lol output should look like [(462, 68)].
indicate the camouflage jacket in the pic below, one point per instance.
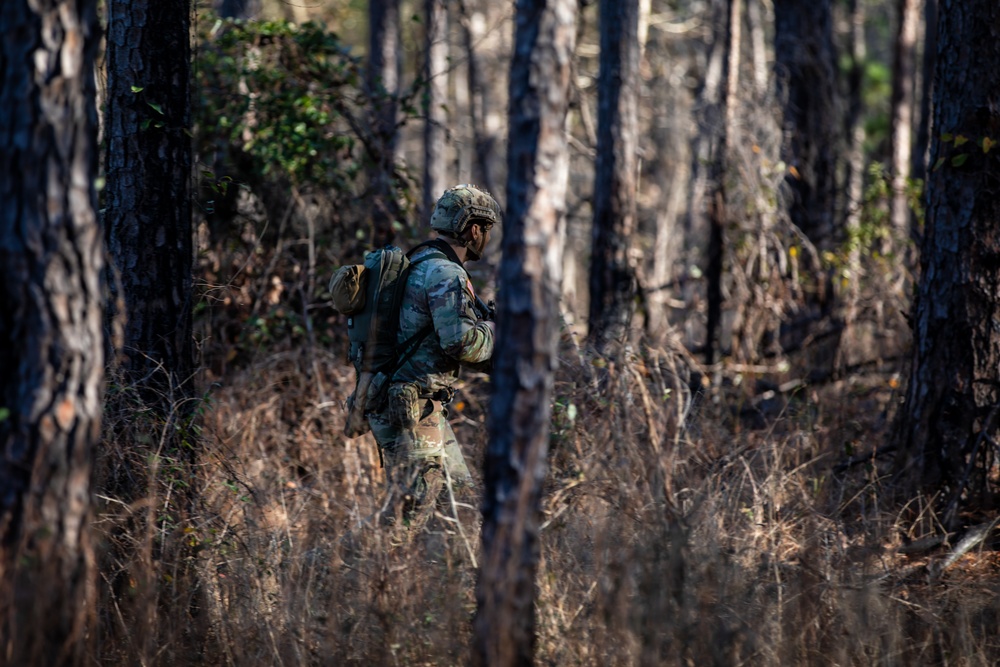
[(439, 291)]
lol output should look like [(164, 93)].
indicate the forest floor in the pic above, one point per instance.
[(735, 522)]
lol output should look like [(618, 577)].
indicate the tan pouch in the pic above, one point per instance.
[(347, 288), (404, 405)]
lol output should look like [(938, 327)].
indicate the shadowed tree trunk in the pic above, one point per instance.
[(435, 98), (526, 354), (148, 194), (51, 329), (612, 276), (384, 53), (948, 419), (806, 79)]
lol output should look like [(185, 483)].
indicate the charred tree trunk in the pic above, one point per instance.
[(51, 329), (612, 276), (148, 194), (384, 55), (806, 78), (954, 385), (435, 98), (526, 355)]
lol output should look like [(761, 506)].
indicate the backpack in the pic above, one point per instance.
[(371, 295)]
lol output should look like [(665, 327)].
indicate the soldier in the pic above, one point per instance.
[(418, 445)]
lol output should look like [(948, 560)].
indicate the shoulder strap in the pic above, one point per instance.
[(442, 250), (442, 247)]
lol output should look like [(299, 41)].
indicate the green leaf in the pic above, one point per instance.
[(937, 165), (988, 144), (959, 160), (960, 139), (155, 107), (137, 89), (4, 414), (946, 137)]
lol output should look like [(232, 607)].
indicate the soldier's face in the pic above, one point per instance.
[(483, 237)]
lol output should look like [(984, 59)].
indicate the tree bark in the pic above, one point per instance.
[(954, 379), (148, 193), (384, 53), (51, 330), (526, 355), (435, 98), (806, 80), (612, 276)]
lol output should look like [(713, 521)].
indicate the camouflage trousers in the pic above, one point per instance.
[(419, 461)]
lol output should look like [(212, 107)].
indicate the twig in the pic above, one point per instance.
[(972, 539)]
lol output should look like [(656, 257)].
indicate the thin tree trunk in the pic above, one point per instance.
[(51, 328), (435, 96), (758, 46), (384, 65), (612, 276), (482, 40), (526, 355), (708, 112), (922, 139), (717, 207), (855, 131), (901, 111)]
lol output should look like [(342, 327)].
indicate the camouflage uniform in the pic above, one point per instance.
[(418, 445), (419, 457)]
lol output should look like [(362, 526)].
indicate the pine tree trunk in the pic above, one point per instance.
[(51, 328), (148, 193), (526, 356), (954, 385), (612, 276)]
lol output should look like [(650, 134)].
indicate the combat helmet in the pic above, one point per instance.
[(462, 204)]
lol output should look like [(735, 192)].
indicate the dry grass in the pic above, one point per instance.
[(680, 529)]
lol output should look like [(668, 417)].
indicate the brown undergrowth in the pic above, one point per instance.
[(690, 518)]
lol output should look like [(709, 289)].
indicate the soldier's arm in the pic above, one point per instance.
[(451, 301)]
